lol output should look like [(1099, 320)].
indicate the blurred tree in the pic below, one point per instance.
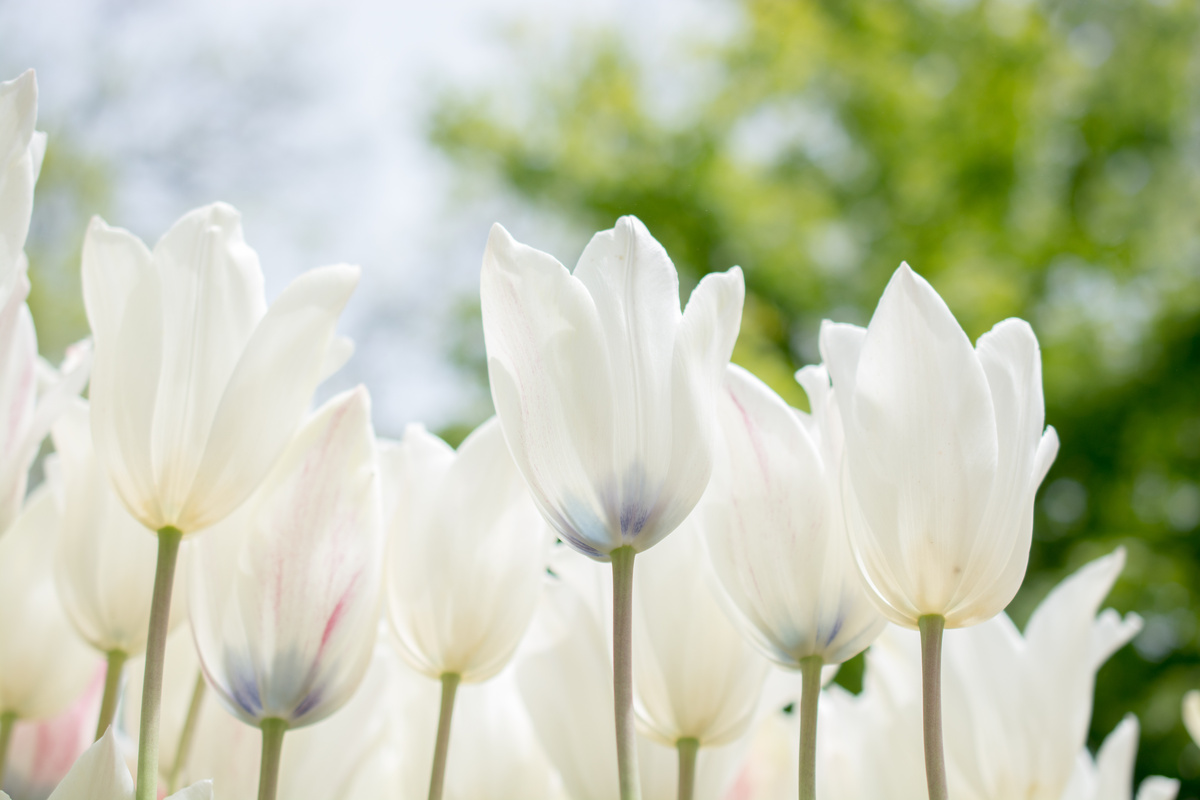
[(1038, 158)]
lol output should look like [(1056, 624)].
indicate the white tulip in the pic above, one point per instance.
[(695, 676), (944, 450), (44, 665), (101, 774), (1017, 706), (605, 391), (467, 552), (775, 528), (21, 151), (198, 386), (285, 595), (105, 561), (563, 674)]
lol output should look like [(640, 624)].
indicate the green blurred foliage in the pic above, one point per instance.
[(71, 187), (1029, 157)]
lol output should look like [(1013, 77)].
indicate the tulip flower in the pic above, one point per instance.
[(697, 680), (944, 451), (562, 674), (777, 534), (100, 774), (198, 386), (44, 665), (1018, 705), (105, 561), (285, 598), (21, 151), (606, 393), (467, 556)]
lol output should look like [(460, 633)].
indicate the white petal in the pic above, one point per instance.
[(212, 297), (703, 346), (694, 674), (20, 161), (551, 384), (99, 774), (123, 298), (18, 393), (1114, 761), (268, 393), (44, 665), (341, 348), (921, 449), (1157, 787), (293, 634), (467, 554), (197, 791), (776, 534)]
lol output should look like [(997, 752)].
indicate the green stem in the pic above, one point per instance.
[(273, 730), (931, 627), (8, 720), (184, 748), (437, 779), (688, 748), (627, 766), (810, 698), (156, 645), (112, 690)]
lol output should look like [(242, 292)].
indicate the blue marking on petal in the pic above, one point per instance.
[(307, 704), (244, 688)]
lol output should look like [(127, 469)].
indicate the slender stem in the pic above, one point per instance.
[(688, 748), (184, 748), (7, 721), (627, 766), (273, 730), (112, 690), (810, 698), (156, 645), (437, 779), (931, 626)]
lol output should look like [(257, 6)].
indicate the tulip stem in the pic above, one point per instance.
[(627, 766), (931, 626), (7, 721), (156, 645), (112, 689), (273, 730), (688, 748), (184, 747), (810, 698), (437, 780)]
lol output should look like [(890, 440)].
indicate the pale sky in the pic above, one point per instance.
[(309, 117)]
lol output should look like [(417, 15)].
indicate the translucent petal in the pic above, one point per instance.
[(99, 774)]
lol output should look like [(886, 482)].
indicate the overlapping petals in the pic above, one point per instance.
[(944, 451), (467, 553), (605, 390), (286, 594), (198, 385)]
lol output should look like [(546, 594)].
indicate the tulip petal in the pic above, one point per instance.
[(18, 393), (269, 391), (212, 297), (99, 774), (1191, 714), (20, 160), (197, 791), (286, 628), (122, 295), (703, 345), (551, 384)]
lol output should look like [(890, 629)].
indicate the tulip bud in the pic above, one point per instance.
[(604, 389), (285, 594), (944, 452), (198, 386)]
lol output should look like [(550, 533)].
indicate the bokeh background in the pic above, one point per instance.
[(1036, 158)]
